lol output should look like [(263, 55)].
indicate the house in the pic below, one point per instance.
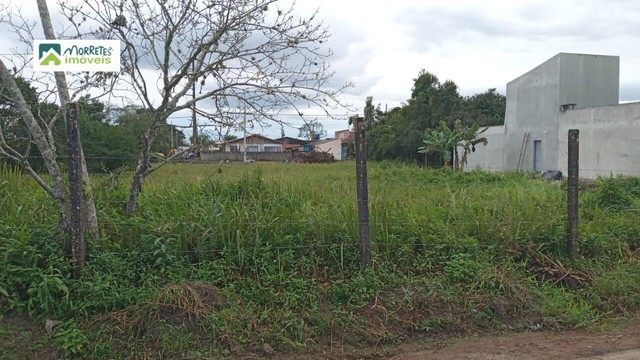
[(568, 91), (348, 138), (287, 140), (331, 146), (345, 135), (254, 143), (257, 147), (292, 144)]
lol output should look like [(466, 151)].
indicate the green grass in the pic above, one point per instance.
[(219, 258)]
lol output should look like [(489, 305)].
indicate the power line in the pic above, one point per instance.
[(343, 117)]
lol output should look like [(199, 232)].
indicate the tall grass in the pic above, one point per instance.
[(280, 241), (205, 210)]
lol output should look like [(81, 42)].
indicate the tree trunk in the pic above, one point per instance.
[(141, 170), (456, 159), (136, 184), (40, 140), (89, 208)]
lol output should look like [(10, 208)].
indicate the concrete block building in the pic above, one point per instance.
[(568, 91)]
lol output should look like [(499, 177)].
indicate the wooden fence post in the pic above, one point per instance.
[(78, 250), (362, 193), (572, 192)]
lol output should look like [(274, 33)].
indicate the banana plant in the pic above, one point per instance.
[(446, 141)]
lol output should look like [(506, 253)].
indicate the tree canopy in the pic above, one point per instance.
[(109, 136), (398, 133), (311, 130)]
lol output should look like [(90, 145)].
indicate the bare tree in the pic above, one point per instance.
[(41, 138), (311, 130), (241, 54), (41, 130)]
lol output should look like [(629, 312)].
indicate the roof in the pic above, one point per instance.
[(326, 141), (240, 140), (291, 146), (292, 140)]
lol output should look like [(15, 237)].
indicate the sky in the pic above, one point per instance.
[(381, 46)]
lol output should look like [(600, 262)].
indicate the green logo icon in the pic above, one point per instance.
[(49, 54)]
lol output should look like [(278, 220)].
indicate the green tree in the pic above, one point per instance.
[(487, 108), (15, 137), (135, 120), (14, 133), (382, 136), (106, 145), (399, 133)]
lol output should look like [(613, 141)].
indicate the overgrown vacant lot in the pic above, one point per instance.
[(230, 260)]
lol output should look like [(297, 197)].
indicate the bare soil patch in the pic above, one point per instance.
[(612, 344), (578, 344)]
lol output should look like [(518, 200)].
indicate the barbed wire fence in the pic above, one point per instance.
[(202, 224)]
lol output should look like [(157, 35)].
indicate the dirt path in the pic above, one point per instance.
[(618, 344)]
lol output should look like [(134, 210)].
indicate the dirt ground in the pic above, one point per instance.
[(620, 343), (617, 344)]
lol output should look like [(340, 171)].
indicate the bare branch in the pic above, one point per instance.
[(166, 161), (242, 54), (39, 137)]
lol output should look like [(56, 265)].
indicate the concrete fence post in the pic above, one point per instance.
[(362, 193), (572, 192), (78, 250)]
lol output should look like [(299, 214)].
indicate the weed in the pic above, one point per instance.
[(69, 339)]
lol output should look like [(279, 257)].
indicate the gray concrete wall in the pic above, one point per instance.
[(534, 99), (490, 156), (218, 156), (609, 138), (532, 104), (609, 132), (589, 80)]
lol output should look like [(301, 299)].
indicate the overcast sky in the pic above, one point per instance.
[(381, 46)]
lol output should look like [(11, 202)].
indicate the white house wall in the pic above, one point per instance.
[(333, 147), (256, 147), (609, 138)]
